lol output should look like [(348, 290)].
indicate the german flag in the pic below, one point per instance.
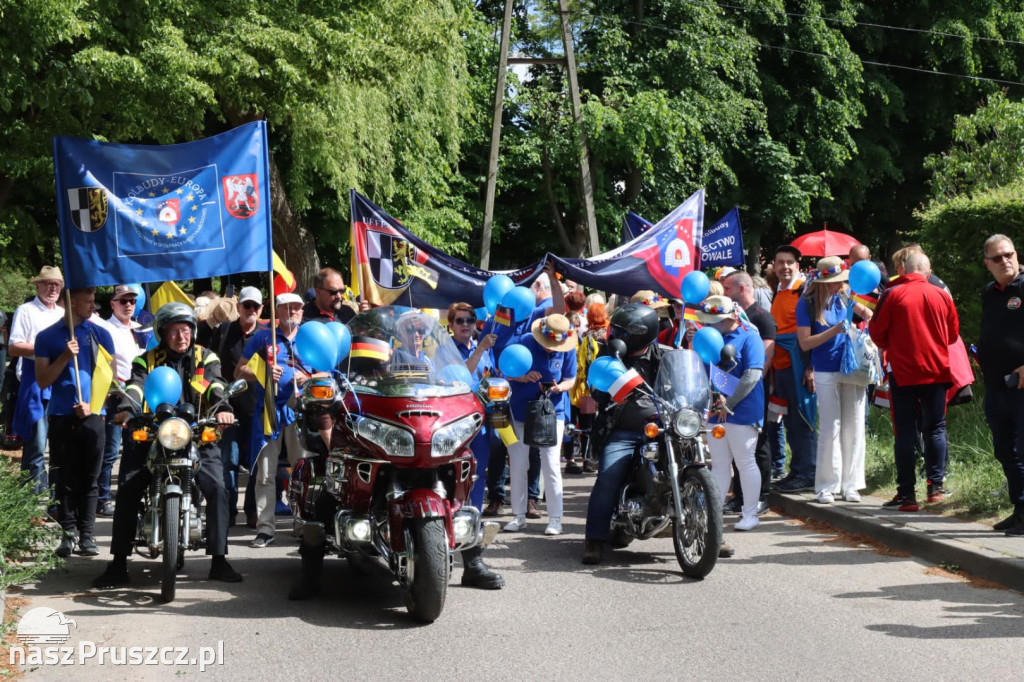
[(368, 347), (690, 313), (199, 382), (869, 301), (503, 316)]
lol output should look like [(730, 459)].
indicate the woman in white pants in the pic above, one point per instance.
[(821, 320), (741, 411)]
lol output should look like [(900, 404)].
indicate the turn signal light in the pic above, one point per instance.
[(140, 435), (322, 392), (718, 431), (499, 392), (651, 430), (208, 435)]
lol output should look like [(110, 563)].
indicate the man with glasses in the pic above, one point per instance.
[(121, 328), (329, 304), (30, 413), (1001, 355)]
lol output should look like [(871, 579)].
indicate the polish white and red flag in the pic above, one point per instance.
[(624, 385)]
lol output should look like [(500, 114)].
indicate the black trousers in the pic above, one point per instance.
[(135, 478), (76, 454)]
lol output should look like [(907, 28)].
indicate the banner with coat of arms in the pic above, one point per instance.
[(147, 213)]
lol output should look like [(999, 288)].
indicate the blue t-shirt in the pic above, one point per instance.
[(485, 366), (553, 367), (286, 358), (828, 356), (749, 355), (53, 341)]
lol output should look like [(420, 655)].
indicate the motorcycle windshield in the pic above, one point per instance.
[(683, 381), (401, 352)]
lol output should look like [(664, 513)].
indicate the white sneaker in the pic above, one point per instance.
[(825, 497), (554, 527), (748, 523), (515, 525), (851, 496)]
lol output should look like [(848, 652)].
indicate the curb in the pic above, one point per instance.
[(929, 545)]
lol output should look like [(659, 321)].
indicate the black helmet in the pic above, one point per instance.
[(378, 323), (171, 313), (635, 324)]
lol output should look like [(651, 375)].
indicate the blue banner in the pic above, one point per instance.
[(633, 226), (146, 213), (723, 242)]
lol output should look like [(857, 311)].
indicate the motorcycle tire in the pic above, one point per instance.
[(170, 522), (425, 593), (619, 539), (698, 536)]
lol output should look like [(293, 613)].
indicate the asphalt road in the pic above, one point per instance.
[(794, 603)]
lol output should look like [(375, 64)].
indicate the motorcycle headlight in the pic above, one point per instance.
[(397, 442), (686, 423), (174, 434), (450, 438)]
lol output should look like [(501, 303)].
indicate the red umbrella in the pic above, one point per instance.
[(824, 243)]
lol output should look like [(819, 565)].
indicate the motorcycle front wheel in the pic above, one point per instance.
[(425, 593), (171, 518), (698, 535)]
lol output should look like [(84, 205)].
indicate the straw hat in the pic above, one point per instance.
[(715, 309), (49, 273), (554, 333), (650, 299), (831, 269)]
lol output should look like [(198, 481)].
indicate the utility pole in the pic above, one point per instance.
[(577, 111)]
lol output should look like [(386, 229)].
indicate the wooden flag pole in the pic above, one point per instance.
[(269, 396), (70, 322)]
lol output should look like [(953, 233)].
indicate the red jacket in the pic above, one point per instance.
[(915, 323)]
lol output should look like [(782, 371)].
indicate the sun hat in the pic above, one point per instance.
[(554, 332), (715, 309), (48, 273), (830, 269), (649, 298)]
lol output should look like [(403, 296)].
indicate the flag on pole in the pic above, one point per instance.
[(102, 378), (149, 213), (169, 292), (624, 385), (722, 243), (258, 366)]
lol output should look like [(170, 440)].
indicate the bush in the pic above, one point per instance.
[(26, 544)]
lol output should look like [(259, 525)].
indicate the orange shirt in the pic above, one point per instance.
[(784, 312)]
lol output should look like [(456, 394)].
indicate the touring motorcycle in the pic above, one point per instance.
[(392, 487), (669, 480)]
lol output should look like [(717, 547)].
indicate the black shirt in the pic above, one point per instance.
[(1001, 340), (763, 320), (638, 408), (311, 311), (228, 340)]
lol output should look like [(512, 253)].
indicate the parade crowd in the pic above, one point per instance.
[(789, 330)]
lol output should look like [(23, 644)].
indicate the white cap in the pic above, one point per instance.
[(284, 299), (250, 294)]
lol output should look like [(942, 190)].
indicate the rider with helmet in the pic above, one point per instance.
[(618, 428), (174, 328)]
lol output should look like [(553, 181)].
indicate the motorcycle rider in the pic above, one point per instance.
[(174, 328), (374, 325), (618, 428)]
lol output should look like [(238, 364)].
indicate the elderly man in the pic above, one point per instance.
[(915, 323), (30, 414), (329, 304), (1001, 355)]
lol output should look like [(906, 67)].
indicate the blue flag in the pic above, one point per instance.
[(146, 213), (633, 226), (724, 382), (723, 242)]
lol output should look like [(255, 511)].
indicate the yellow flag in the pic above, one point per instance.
[(167, 293), (258, 366), (102, 377), (508, 435)]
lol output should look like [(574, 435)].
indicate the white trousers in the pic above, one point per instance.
[(551, 470), (840, 462), (266, 473), (738, 446)]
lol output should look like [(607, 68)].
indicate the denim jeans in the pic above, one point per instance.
[(230, 446), (32, 456), (926, 402), (481, 446), (613, 470), (110, 452), (1004, 412), (776, 437), (497, 471), (803, 439)]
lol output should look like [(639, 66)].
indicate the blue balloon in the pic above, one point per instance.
[(604, 375), (695, 287), (482, 313), (343, 338), (708, 343), (515, 361), (152, 343), (864, 277), (598, 365), (521, 300), (315, 344), (140, 295), (495, 290), (456, 373), (163, 385)]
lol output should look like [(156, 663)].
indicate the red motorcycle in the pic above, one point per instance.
[(392, 485)]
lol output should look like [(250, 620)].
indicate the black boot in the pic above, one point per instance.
[(1010, 521), (475, 572), (308, 584), (115, 575), (221, 570)]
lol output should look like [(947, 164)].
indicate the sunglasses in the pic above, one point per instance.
[(419, 332), (125, 301), (464, 320), (250, 305), (999, 257), (333, 292)]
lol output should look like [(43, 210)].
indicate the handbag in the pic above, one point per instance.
[(860, 360), (540, 428)]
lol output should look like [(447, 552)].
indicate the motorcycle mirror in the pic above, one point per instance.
[(728, 359), (186, 411), (617, 347), (163, 411), (235, 388)]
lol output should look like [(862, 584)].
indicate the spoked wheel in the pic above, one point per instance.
[(172, 506), (698, 535), (426, 590)]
